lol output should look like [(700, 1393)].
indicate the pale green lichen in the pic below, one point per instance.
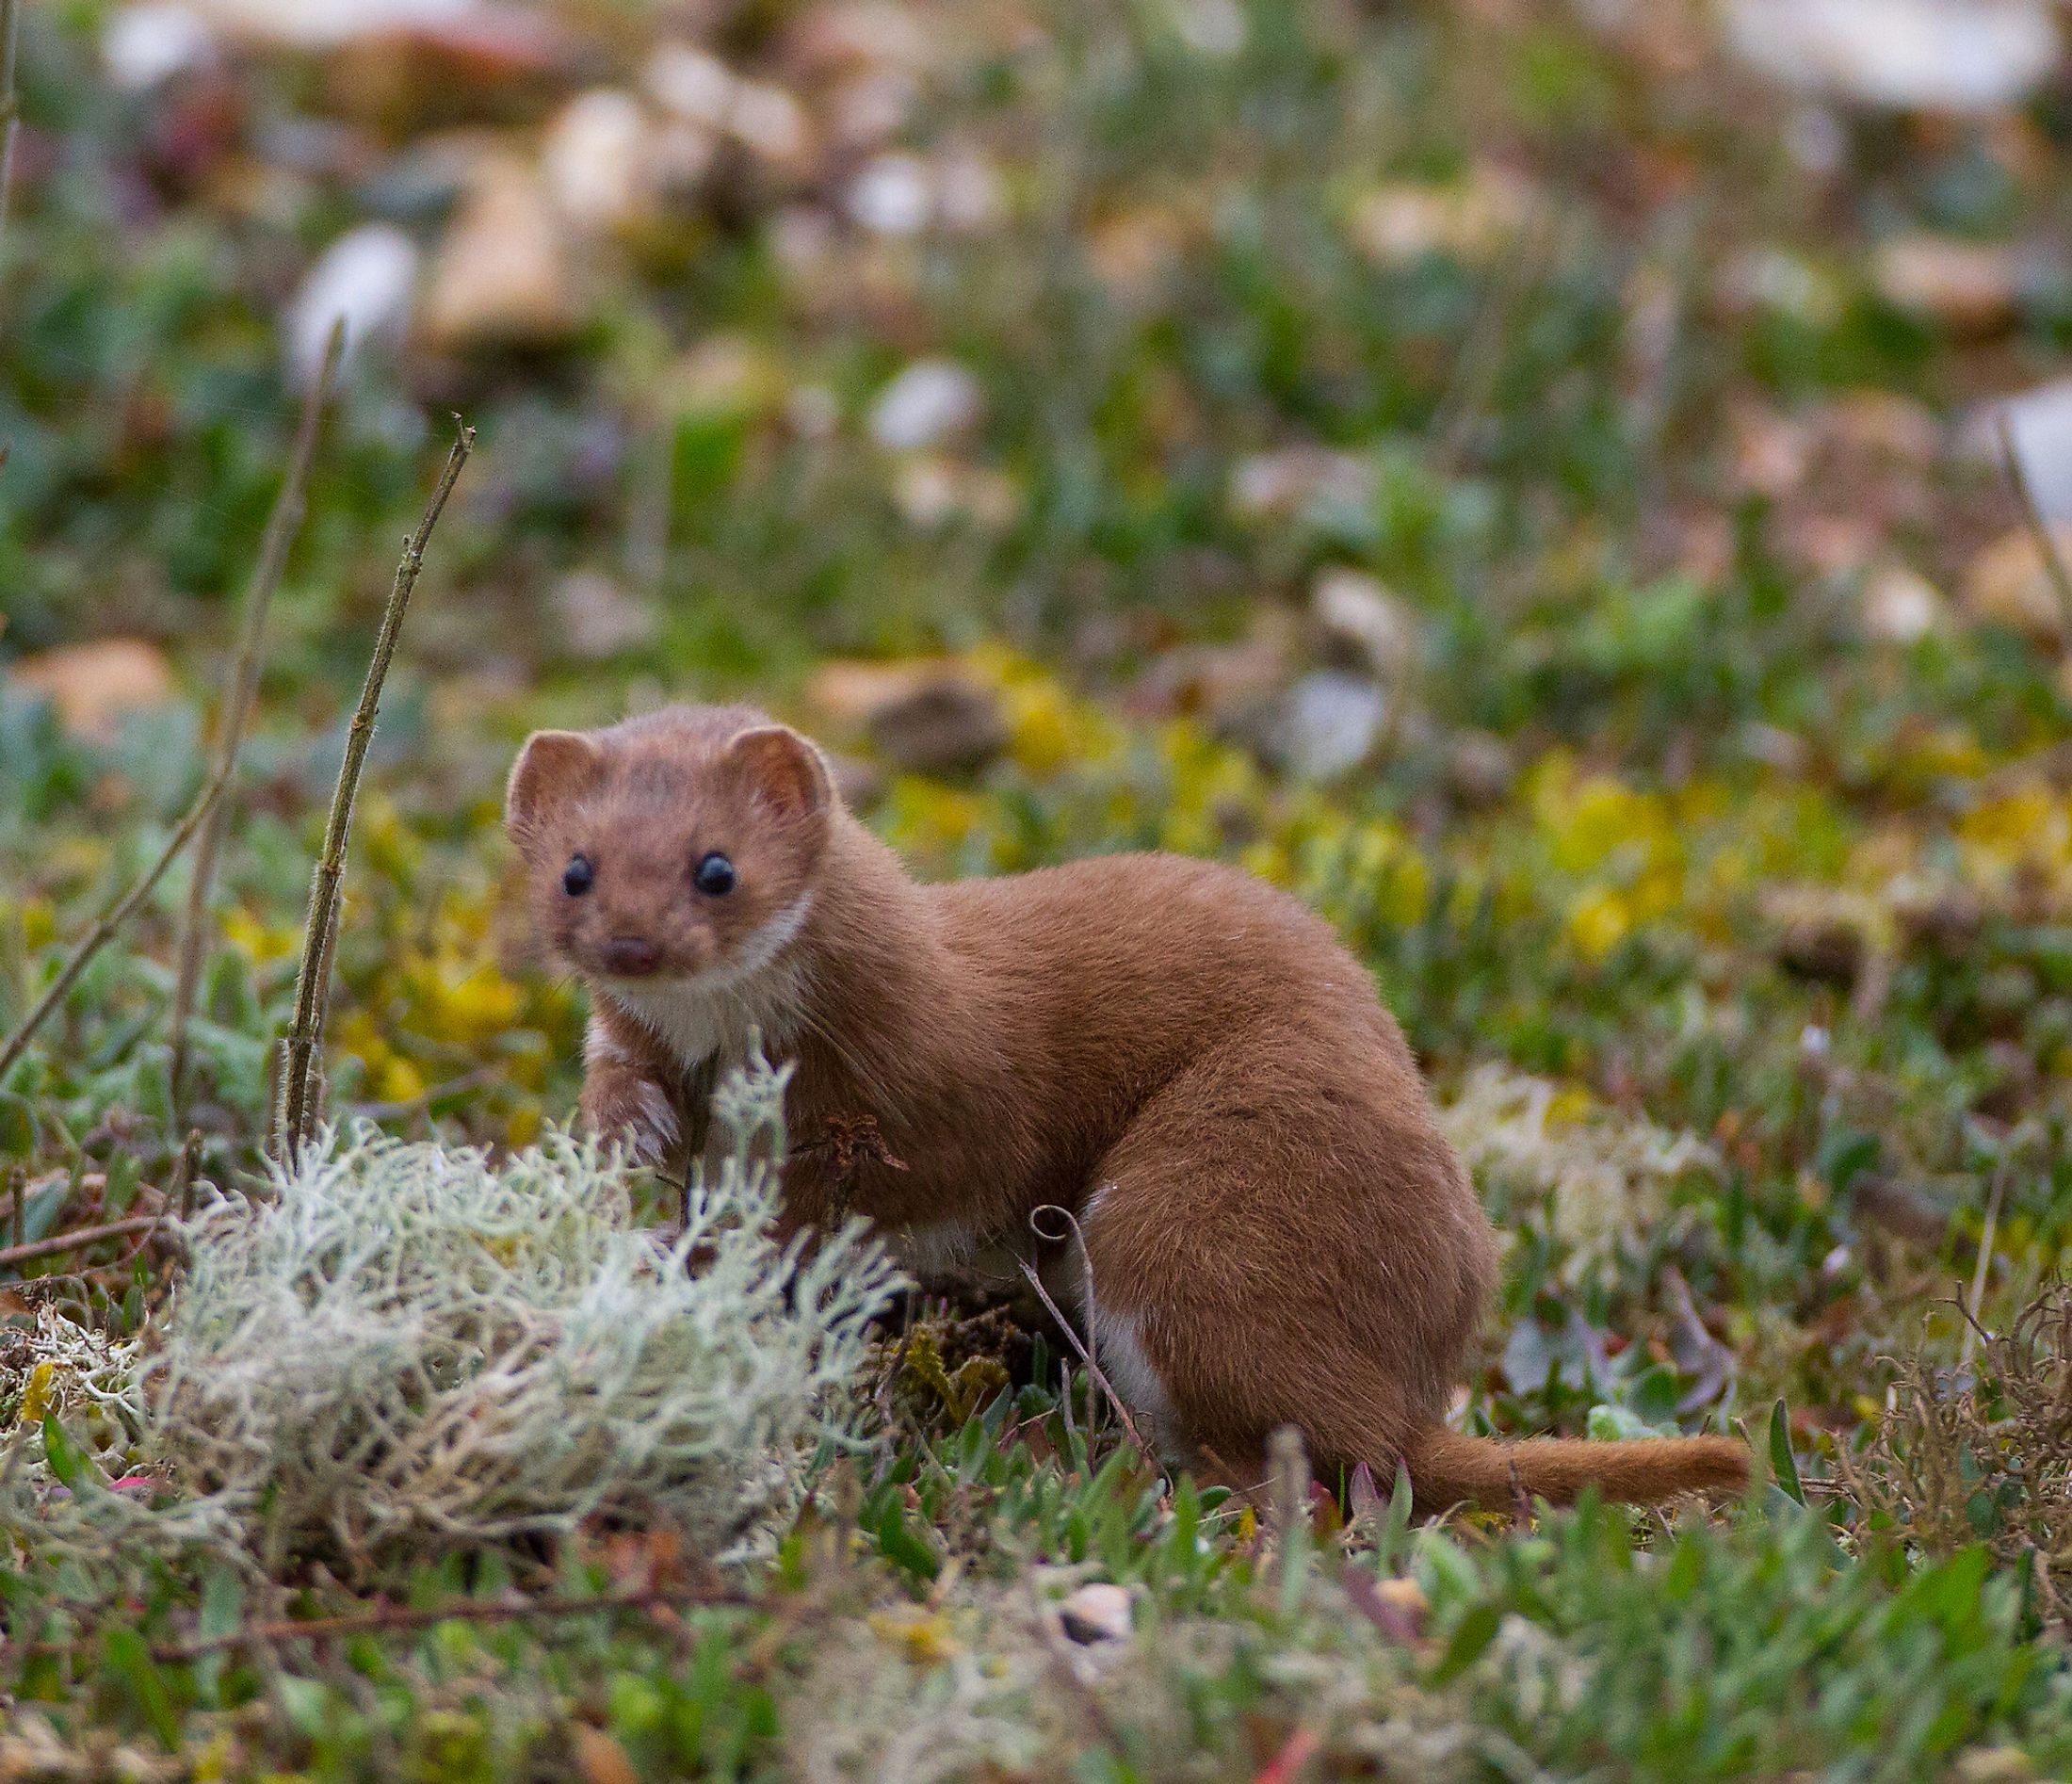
[(400, 1346)]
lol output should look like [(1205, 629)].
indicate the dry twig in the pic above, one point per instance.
[(110, 923), (389, 1619), (282, 524), (300, 1094), (73, 1241), (1085, 1357)]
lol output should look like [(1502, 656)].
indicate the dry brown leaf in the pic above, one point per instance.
[(2010, 583), (502, 276), (92, 685)]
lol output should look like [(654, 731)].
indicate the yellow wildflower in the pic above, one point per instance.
[(1598, 921)]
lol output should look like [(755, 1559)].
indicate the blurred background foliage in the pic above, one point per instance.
[(1526, 476)]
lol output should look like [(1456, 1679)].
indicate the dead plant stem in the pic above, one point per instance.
[(299, 1092), (111, 921), (282, 524)]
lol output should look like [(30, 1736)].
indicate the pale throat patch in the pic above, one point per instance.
[(762, 991)]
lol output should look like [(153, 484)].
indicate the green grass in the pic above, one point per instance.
[(1663, 829)]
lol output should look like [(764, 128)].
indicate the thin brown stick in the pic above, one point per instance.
[(1079, 1350), (110, 923), (2047, 540), (298, 1088), (183, 1177), (283, 526), (388, 1619), (79, 1236), (2010, 1148)]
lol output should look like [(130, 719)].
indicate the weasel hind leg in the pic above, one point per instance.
[(1270, 1246)]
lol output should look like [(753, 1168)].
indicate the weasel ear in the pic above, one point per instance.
[(783, 769), (554, 765)]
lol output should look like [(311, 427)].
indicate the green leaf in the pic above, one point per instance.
[(63, 1456), (903, 1548), (129, 1659), (1782, 1464), (1477, 1630)]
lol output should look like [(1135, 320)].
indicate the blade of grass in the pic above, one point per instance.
[(282, 524), (298, 1088)]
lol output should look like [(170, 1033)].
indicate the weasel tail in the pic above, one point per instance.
[(1446, 1468)]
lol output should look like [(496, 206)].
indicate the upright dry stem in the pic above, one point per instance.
[(298, 1092), (110, 923), (283, 526)]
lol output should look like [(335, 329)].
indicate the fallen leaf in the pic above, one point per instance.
[(928, 717), (600, 1758), (502, 275), (92, 685), (1968, 287), (2011, 584)]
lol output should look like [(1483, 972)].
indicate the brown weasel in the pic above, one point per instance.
[(1276, 1231)]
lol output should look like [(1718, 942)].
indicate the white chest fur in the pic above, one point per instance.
[(719, 1015)]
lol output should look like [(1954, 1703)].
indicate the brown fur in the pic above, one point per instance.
[(1276, 1230)]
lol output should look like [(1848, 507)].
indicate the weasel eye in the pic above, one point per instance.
[(576, 881), (714, 876)]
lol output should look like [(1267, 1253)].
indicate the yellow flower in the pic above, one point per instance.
[(260, 942), (400, 1080), (2028, 827), (925, 1635), (38, 923), (1042, 729), (1598, 921), (36, 1397)]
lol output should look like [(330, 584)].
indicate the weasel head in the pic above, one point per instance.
[(675, 852)]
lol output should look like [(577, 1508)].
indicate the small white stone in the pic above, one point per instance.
[(1958, 55), (769, 123), (697, 88), (894, 195), (1329, 723), (1354, 608), (142, 45), (1210, 27), (928, 403), (1899, 607), (2041, 423), (367, 277), (596, 158), (1097, 1613)]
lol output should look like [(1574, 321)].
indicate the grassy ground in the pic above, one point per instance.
[(1714, 845)]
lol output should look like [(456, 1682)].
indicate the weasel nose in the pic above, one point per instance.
[(631, 957)]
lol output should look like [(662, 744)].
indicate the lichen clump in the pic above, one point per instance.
[(404, 1345)]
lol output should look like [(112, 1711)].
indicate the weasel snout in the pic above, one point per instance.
[(630, 956)]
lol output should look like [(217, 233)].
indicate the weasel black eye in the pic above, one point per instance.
[(714, 876), (576, 881)]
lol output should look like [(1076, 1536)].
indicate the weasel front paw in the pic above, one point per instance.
[(639, 1114)]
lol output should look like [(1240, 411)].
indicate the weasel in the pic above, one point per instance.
[(1275, 1230)]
